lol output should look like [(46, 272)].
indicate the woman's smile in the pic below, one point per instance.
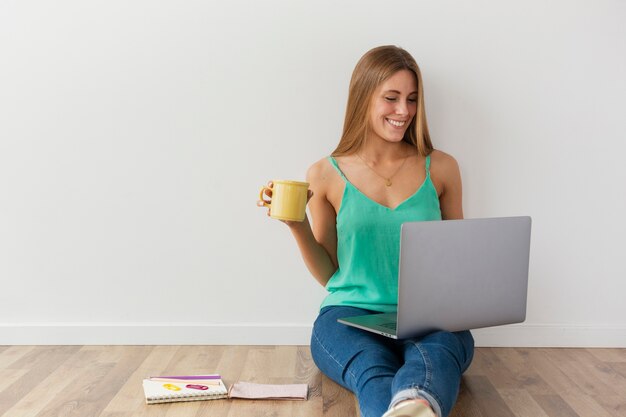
[(396, 123)]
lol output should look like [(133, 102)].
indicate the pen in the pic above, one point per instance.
[(186, 381), (190, 377)]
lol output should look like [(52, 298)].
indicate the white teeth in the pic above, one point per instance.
[(396, 123)]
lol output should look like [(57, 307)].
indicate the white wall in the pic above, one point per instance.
[(134, 137)]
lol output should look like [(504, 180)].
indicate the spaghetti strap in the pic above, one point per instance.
[(428, 165), (333, 162)]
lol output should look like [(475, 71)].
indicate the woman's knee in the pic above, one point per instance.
[(462, 338), (354, 365), (459, 344)]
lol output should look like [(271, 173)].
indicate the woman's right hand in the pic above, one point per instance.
[(267, 192)]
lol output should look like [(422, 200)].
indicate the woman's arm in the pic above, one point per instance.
[(446, 169), (318, 243)]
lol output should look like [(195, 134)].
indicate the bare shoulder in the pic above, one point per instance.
[(319, 169), (319, 174), (443, 164), (445, 161), (444, 171)]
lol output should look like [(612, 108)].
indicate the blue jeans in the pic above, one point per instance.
[(381, 371)]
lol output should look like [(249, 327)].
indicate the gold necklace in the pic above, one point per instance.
[(388, 182)]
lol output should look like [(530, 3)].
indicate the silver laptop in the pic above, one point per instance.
[(457, 275)]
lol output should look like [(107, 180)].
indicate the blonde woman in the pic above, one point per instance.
[(384, 172)]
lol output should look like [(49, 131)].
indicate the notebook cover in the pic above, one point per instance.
[(165, 392)]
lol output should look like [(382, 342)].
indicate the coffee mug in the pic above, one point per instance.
[(288, 200)]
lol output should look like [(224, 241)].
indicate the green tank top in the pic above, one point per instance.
[(368, 245)]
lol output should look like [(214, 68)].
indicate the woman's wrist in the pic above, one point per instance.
[(297, 227)]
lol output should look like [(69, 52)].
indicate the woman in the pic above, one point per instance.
[(383, 173)]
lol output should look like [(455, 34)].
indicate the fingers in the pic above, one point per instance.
[(267, 192), (262, 203)]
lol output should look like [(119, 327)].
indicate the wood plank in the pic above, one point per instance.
[(527, 377), (195, 359), (12, 354), (585, 405), (214, 408), (581, 373), (232, 363), (337, 401), (130, 396), (614, 404), (9, 376), (599, 369), (54, 385), (263, 365), (521, 403), (97, 385), (608, 355), (478, 365), (494, 369), (487, 397), (618, 367), (465, 405), (307, 373), (552, 374), (40, 362), (555, 406), (511, 369)]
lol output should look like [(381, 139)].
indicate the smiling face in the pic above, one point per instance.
[(393, 107)]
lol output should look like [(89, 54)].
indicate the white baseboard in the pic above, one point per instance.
[(520, 335), (154, 334), (550, 335)]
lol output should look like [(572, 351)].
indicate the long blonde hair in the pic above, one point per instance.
[(376, 66)]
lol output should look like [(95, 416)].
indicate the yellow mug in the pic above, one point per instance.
[(288, 200)]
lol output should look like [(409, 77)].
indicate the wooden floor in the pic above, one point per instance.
[(99, 381)]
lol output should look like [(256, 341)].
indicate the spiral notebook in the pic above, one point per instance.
[(167, 389)]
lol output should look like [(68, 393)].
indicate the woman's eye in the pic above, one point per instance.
[(411, 100)]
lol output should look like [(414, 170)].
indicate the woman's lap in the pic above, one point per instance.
[(376, 368)]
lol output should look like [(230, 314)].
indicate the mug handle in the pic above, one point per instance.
[(261, 196)]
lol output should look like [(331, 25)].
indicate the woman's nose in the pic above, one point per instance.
[(402, 108)]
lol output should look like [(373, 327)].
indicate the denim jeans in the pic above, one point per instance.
[(381, 371)]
